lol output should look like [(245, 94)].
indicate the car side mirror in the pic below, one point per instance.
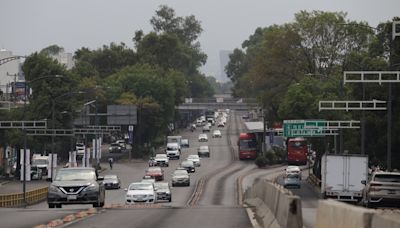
[(100, 178), (364, 182)]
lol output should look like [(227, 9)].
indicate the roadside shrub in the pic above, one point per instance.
[(261, 161), (270, 157)]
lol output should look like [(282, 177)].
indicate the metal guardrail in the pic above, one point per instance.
[(17, 200)]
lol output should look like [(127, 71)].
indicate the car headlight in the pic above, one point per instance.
[(92, 187), (53, 188), (168, 192)]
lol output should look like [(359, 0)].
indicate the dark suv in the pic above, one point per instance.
[(76, 186)]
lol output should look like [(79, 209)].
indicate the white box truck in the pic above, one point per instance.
[(341, 176), (175, 139)]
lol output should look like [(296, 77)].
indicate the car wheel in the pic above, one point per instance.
[(170, 199), (102, 204), (59, 205), (51, 205)]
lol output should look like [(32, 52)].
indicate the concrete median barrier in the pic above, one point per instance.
[(387, 221), (334, 214), (274, 206)]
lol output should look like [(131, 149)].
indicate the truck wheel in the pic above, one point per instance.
[(51, 205), (59, 205)]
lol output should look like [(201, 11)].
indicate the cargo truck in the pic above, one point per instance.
[(341, 176)]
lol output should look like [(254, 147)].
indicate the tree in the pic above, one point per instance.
[(52, 50), (152, 91), (103, 61)]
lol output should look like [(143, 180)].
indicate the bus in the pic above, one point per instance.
[(297, 150), (247, 144)]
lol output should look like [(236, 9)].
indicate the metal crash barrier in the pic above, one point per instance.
[(17, 200)]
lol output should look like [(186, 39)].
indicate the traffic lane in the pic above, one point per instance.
[(309, 200), (21, 218), (215, 216)]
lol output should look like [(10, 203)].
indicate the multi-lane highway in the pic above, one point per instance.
[(213, 200)]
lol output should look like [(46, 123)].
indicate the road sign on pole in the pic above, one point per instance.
[(290, 126)]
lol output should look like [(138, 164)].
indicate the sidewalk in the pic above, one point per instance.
[(15, 186)]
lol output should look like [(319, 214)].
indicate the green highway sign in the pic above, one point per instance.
[(304, 128)]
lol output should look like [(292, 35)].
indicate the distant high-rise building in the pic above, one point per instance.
[(65, 58), (224, 59), (10, 72)]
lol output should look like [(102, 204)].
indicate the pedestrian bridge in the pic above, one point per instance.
[(218, 103)]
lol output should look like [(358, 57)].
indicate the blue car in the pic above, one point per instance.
[(292, 180)]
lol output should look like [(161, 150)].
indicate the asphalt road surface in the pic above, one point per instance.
[(212, 200)]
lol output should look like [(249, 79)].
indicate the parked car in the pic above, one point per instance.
[(180, 177), (292, 180), (76, 186), (382, 189), (203, 151), (163, 191), (140, 192), (203, 138), (155, 172), (112, 181), (115, 148), (195, 159), (188, 165), (185, 143), (217, 134), (161, 160)]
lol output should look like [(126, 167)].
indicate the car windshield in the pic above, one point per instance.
[(75, 174), (172, 147), (141, 186), (110, 177), (161, 185), (153, 170), (40, 162), (193, 157), (292, 176), (297, 144), (180, 172), (247, 144), (161, 155), (187, 163), (114, 144), (387, 178)]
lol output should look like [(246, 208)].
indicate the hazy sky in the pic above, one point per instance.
[(30, 25)]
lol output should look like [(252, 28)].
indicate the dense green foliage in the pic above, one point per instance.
[(156, 74), (290, 68)]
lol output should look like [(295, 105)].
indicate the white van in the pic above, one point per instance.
[(173, 150)]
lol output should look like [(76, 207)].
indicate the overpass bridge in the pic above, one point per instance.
[(218, 103)]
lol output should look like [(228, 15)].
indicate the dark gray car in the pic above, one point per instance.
[(163, 191), (76, 186)]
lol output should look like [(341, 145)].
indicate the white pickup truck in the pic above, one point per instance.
[(161, 160)]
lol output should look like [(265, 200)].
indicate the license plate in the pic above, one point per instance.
[(71, 197)]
